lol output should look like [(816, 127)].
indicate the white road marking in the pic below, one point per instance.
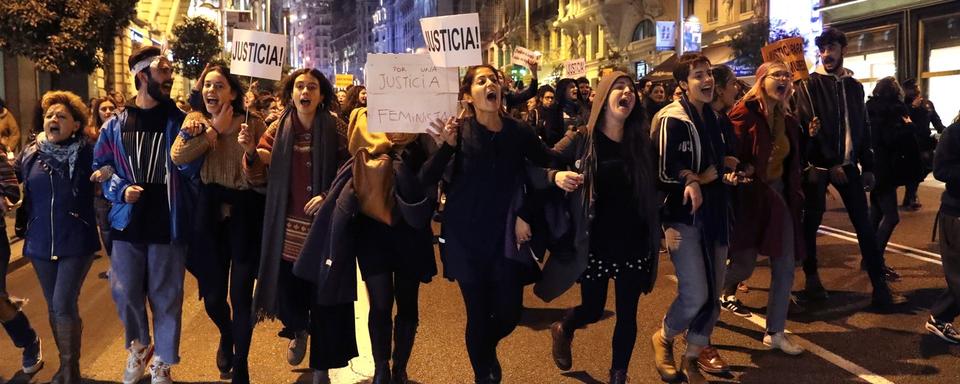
[(889, 244), (909, 254)]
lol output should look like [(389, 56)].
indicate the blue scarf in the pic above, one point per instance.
[(64, 152)]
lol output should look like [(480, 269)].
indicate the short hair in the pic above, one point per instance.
[(582, 79), (139, 55), (722, 74), (829, 36), (71, 101), (326, 89), (686, 63)]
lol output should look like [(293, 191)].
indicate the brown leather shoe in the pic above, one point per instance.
[(663, 357), (691, 371), (562, 356), (711, 362)]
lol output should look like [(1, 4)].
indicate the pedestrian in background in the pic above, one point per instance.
[(101, 110), (568, 100), (356, 98), (655, 100), (946, 168), (61, 239), (230, 214), (615, 222), (9, 130), (583, 96), (923, 114)]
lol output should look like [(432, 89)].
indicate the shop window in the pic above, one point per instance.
[(871, 55), (941, 37), (644, 30)]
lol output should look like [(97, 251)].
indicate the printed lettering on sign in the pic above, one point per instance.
[(344, 80), (257, 54), (522, 56), (453, 41), (406, 92)]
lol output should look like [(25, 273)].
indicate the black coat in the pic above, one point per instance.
[(896, 149)]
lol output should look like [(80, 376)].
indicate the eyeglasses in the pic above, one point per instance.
[(780, 75)]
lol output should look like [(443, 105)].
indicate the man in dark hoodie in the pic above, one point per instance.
[(946, 168), (837, 150)]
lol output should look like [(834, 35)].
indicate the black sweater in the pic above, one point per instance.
[(946, 168)]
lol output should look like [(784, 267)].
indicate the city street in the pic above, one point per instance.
[(845, 341)]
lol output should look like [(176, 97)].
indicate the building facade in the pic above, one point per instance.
[(310, 28)]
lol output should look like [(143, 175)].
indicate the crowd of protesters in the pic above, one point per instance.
[(273, 200)]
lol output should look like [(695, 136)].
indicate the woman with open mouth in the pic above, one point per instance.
[(298, 157), (61, 237), (230, 212), (769, 198), (478, 241), (616, 226)]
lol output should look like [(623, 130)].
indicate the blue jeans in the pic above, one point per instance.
[(141, 272), (61, 281), (699, 277)]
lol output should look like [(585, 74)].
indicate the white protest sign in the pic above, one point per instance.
[(522, 57), (575, 68), (453, 41), (257, 54), (407, 92)]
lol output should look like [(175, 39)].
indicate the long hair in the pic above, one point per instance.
[(759, 93), (232, 81), (94, 122), (352, 102), (560, 96), (467, 82), (329, 103)]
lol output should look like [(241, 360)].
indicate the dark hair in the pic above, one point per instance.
[(887, 88), (3, 104), (95, 121), (722, 74), (468, 77), (686, 63), (235, 86), (326, 89), (582, 79), (909, 87), (642, 83), (543, 91), (829, 36), (352, 102), (136, 57), (560, 96)]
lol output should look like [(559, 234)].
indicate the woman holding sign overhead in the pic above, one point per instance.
[(298, 157), (230, 210), (478, 243)]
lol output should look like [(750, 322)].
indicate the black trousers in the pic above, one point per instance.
[(493, 305), (227, 261), (947, 306), (855, 200), (593, 298), (384, 289)]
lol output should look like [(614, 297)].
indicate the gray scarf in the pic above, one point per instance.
[(64, 153)]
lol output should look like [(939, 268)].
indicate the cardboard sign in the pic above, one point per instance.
[(575, 68), (258, 54), (407, 92), (789, 51), (522, 57), (453, 41), (344, 80), (666, 35)]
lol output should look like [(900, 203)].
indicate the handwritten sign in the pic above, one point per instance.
[(344, 80), (406, 92), (258, 54), (789, 51), (575, 68), (666, 35), (522, 57), (453, 41)]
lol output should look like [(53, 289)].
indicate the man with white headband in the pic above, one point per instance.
[(149, 221)]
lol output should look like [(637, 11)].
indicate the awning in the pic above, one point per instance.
[(664, 70)]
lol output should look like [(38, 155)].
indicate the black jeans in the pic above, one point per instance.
[(228, 261), (855, 200), (383, 289), (102, 208), (884, 214), (947, 306), (493, 310), (593, 298)]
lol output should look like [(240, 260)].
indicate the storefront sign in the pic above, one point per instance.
[(691, 35), (257, 54), (575, 68), (453, 41), (666, 35), (344, 80), (522, 57), (407, 92), (789, 51)]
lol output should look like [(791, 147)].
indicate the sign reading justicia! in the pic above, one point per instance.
[(453, 41), (257, 54)]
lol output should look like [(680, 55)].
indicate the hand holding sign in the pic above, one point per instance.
[(246, 140), (526, 58), (406, 92)]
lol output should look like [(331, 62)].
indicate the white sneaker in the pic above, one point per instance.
[(137, 362), (160, 372), (780, 341)]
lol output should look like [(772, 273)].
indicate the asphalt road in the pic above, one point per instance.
[(846, 342)]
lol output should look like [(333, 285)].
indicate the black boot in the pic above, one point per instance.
[(496, 372), (381, 373), (404, 333), (67, 336), (225, 355), (241, 374), (618, 376)]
